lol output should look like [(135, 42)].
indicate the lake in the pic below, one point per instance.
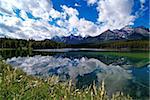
[(121, 71)]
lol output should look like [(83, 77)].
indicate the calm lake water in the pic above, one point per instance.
[(122, 71)]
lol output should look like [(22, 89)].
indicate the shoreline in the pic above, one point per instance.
[(79, 49), (88, 49)]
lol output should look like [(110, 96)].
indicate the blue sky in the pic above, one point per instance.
[(87, 12), (41, 19), (90, 12)]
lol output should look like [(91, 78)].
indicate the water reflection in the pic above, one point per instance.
[(120, 73), (75, 69)]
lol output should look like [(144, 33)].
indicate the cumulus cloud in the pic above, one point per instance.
[(39, 8), (83, 27), (48, 22), (88, 28), (115, 14), (28, 28)]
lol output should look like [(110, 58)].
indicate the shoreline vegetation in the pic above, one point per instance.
[(17, 85)]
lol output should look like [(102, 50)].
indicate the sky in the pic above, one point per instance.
[(45, 19)]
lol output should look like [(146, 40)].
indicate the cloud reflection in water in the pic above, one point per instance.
[(114, 76)]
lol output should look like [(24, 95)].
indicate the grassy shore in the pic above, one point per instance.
[(17, 85)]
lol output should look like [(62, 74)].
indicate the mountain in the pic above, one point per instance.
[(126, 33), (136, 33), (72, 39)]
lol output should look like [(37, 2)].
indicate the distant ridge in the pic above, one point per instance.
[(126, 33)]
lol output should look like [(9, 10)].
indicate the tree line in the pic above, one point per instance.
[(131, 44), (20, 43), (49, 44), (128, 44)]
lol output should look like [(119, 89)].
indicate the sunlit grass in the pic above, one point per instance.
[(17, 85)]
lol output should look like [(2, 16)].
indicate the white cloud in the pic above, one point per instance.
[(77, 5), (39, 8), (40, 29), (23, 14), (112, 14), (115, 14), (9, 21), (70, 11), (91, 2), (30, 28), (87, 28), (55, 14)]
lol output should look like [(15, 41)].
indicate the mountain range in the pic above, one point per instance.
[(126, 33)]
